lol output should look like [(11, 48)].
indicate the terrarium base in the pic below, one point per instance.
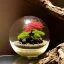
[(30, 46), (29, 52), (54, 56)]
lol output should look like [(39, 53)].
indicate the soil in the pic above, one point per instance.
[(59, 3), (20, 45), (54, 56)]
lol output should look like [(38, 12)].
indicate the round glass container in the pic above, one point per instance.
[(29, 36)]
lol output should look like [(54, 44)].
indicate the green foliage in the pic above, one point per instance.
[(38, 34), (23, 35)]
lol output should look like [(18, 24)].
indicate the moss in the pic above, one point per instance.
[(38, 34), (23, 35)]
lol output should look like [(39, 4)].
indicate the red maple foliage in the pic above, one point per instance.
[(34, 25)]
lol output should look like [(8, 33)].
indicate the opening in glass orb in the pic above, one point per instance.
[(29, 36)]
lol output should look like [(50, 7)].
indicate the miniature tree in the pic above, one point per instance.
[(32, 33)]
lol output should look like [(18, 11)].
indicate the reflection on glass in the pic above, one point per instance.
[(29, 36)]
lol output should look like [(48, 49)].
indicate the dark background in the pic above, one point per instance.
[(11, 10)]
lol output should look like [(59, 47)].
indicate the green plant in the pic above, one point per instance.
[(38, 34), (35, 35), (23, 35)]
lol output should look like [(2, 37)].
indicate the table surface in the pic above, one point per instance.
[(16, 59)]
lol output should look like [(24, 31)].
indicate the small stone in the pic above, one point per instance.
[(40, 41), (32, 41), (23, 40), (28, 40)]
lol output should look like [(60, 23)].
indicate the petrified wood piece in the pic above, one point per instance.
[(54, 56), (54, 7)]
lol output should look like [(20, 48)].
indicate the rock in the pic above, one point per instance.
[(54, 56), (24, 41)]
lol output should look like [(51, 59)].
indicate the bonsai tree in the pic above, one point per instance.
[(32, 33)]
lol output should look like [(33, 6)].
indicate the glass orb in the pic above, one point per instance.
[(29, 36)]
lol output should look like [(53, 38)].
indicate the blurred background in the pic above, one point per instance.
[(11, 10)]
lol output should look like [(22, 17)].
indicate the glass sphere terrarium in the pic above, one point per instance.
[(29, 36)]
